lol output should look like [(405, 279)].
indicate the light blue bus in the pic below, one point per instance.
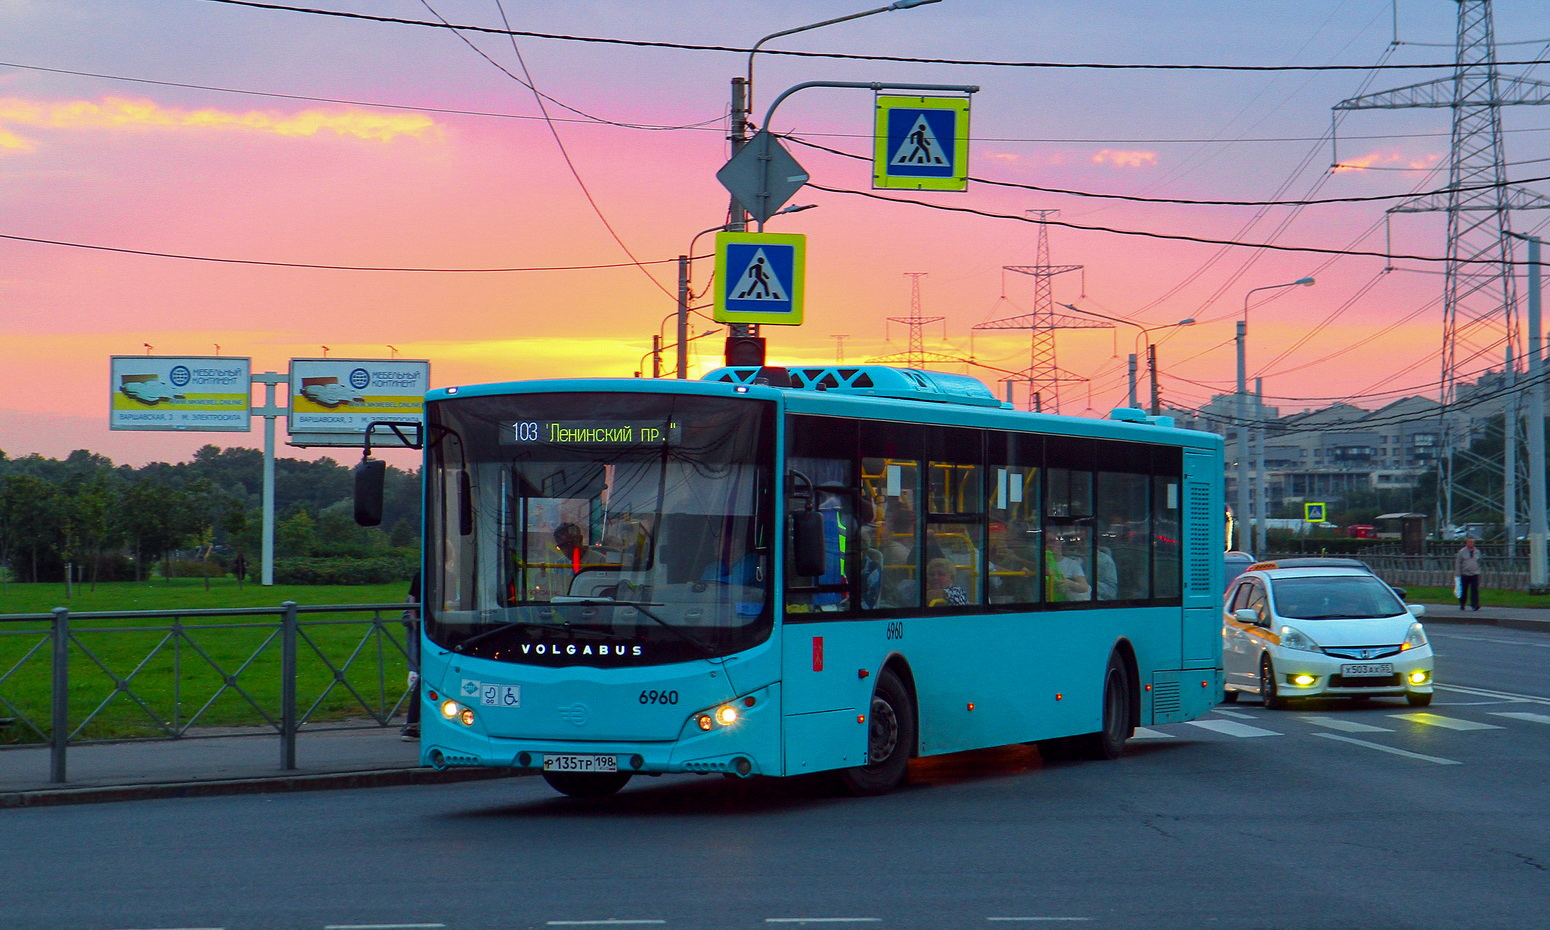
[(775, 572)]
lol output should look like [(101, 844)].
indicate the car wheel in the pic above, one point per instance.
[(1229, 696), (890, 740), (1267, 686), (1109, 742), (1419, 698), (587, 784)]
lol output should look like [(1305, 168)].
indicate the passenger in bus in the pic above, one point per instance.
[(573, 547), (1067, 578), (1013, 569), (942, 586), (1108, 576)]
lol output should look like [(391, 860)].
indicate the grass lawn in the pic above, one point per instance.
[(156, 676), (1492, 598)]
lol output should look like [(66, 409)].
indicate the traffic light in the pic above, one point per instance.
[(745, 352)]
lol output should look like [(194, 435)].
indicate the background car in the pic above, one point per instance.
[(1235, 562), (1334, 631)]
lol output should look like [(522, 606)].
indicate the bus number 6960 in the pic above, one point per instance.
[(659, 697)]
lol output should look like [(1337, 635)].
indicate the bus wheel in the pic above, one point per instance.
[(1109, 742), (890, 740), (587, 784)]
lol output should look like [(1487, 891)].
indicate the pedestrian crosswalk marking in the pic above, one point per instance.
[(1231, 728), (759, 281), (1438, 760), (1349, 726), (1149, 733), (1522, 715), (1450, 723)]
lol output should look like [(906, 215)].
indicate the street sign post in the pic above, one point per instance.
[(921, 143), (760, 277)]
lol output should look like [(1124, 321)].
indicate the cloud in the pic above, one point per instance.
[(1388, 160), (1125, 158), (116, 113)]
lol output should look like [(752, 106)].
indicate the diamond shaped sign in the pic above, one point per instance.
[(762, 176)]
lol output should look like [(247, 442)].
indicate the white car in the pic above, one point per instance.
[(332, 395), (1322, 632), (151, 391)]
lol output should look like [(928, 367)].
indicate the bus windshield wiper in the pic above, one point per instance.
[(685, 635)]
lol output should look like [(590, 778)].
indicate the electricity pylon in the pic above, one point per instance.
[(916, 355), (1043, 375), (1480, 318)]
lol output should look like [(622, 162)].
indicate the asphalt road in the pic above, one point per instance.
[(1332, 816)]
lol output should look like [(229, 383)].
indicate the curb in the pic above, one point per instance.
[(374, 778)]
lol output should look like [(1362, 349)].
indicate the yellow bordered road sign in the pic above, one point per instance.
[(921, 143), (760, 277), (1314, 513)]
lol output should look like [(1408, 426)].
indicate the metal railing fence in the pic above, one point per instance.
[(102, 676)]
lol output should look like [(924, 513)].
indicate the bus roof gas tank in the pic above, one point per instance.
[(873, 380)]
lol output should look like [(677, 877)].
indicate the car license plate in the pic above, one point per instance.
[(1370, 670), (569, 762)]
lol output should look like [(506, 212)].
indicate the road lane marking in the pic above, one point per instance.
[(1501, 695), (1449, 723), (608, 922), (1233, 713), (1531, 718), (1230, 728), (1349, 726), (1038, 918), (1389, 749), (823, 920), (382, 926), (1146, 733)]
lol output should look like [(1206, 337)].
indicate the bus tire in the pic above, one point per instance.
[(587, 784), (1109, 742), (890, 740)]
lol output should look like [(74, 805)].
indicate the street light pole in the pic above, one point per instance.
[(1151, 352), (1241, 516)]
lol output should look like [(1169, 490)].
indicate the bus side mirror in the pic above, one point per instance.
[(465, 504), (807, 543), (370, 480)]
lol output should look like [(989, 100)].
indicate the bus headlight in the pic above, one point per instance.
[(449, 709), (726, 715)]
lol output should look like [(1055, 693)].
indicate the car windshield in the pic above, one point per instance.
[(599, 529), (1334, 597)]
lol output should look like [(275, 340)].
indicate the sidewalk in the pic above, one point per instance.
[(128, 771), (362, 758)]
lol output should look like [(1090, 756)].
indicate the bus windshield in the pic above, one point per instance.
[(599, 529)]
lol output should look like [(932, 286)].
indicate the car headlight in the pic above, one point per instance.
[(1414, 639), (1293, 638)]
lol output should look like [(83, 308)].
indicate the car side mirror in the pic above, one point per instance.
[(1246, 615), (1417, 610)]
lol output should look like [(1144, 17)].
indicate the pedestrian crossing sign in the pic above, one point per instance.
[(760, 277), (1314, 513), (921, 143)]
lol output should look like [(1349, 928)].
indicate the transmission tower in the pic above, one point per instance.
[(1480, 319), (1043, 375), (916, 355)]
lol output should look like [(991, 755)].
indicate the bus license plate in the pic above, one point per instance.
[(1371, 670), (580, 763)]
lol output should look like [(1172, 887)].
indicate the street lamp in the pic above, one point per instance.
[(1151, 353), (742, 87), (1243, 431), (683, 286)]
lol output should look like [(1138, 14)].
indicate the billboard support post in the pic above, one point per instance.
[(269, 412)]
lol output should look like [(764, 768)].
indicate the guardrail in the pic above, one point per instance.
[(179, 674)]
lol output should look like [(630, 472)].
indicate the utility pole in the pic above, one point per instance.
[(916, 355)]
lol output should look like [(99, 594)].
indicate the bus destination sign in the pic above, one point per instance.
[(590, 432)]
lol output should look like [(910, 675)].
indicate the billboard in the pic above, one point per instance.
[(334, 399), (193, 393)]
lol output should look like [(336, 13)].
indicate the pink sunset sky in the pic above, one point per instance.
[(198, 129)]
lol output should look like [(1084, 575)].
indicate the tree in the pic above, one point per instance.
[(32, 524)]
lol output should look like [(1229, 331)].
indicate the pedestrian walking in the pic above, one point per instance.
[(1466, 565)]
